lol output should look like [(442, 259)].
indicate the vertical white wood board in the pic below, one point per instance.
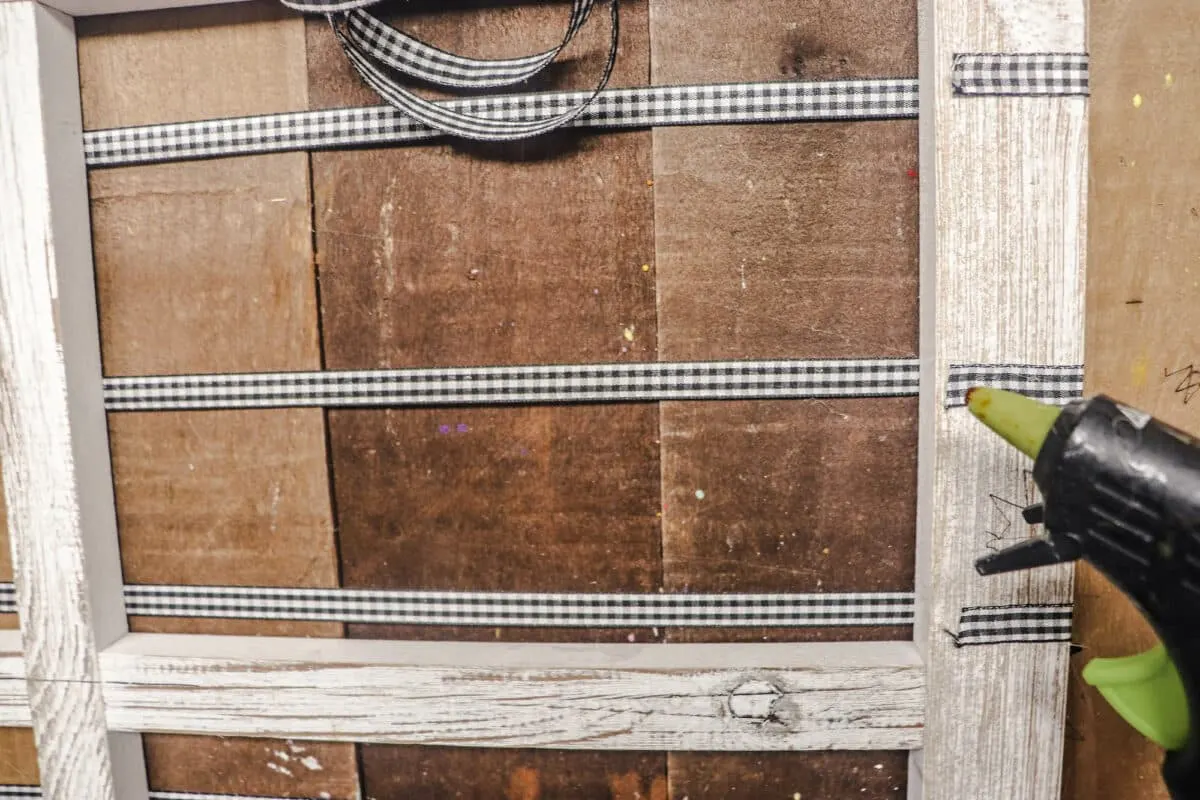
[(1002, 272), (57, 479)]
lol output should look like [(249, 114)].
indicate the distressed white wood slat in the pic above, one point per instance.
[(841, 696), (14, 697), (1002, 273), (87, 8), (54, 448)]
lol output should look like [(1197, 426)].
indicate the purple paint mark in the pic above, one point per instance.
[(462, 427), (443, 429)]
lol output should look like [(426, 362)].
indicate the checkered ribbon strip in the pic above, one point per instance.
[(8, 601), (364, 56), (1028, 74), (380, 52), (1050, 384), (20, 793), (1016, 623), (714, 104), (571, 383), (521, 609), (399, 51), (35, 793)]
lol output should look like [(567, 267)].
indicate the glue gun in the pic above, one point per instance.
[(1121, 490)]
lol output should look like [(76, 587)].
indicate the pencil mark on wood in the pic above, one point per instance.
[(1188, 381)]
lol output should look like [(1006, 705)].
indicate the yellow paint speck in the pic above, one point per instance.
[(1138, 372), (825, 551), (1169, 80), (628, 334), (645, 267), (1137, 101)]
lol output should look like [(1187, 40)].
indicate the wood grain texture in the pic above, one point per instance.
[(843, 696), (208, 267), (14, 691), (1143, 339), (766, 247), (18, 757), (765, 251), (1002, 249), (455, 254), (58, 485)]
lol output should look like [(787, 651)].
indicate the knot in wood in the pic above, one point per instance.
[(755, 701)]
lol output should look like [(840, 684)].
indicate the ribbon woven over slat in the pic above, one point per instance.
[(520, 609), (638, 107), (378, 52), (580, 383)]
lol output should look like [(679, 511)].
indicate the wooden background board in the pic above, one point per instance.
[(207, 266), (1143, 335), (717, 242)]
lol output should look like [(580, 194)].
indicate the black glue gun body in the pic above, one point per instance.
[(1122, 491)]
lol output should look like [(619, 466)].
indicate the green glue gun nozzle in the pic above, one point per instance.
[(1147, 692), (1019, 420)]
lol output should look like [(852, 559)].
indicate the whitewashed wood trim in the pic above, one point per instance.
[(54, 449), (839, 696), (1002, 273), (87, 8), (14, 697)]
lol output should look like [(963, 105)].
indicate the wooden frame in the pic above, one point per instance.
[(1002, 232)]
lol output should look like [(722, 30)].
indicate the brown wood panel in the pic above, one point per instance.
[(787, 241), (1143, 334), (18, 757), (817, 776), (770, 245), (207, 266), (458, 254)]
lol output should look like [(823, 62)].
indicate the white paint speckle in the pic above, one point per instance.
[(295, 748), (271, 765), (325, 795), (282, 756), (311, 764), (879, 766), (699, 494)]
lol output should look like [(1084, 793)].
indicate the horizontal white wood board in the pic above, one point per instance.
[(844, 696)]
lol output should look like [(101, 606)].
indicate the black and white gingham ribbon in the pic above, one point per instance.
[(1015, 623), (642, 107), (399, 51), (449, 120), (582, 383), (521, 608), (524, 609), (1027, 74), (567, 383), (378, 52), (8, 598), (1050, 384)]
